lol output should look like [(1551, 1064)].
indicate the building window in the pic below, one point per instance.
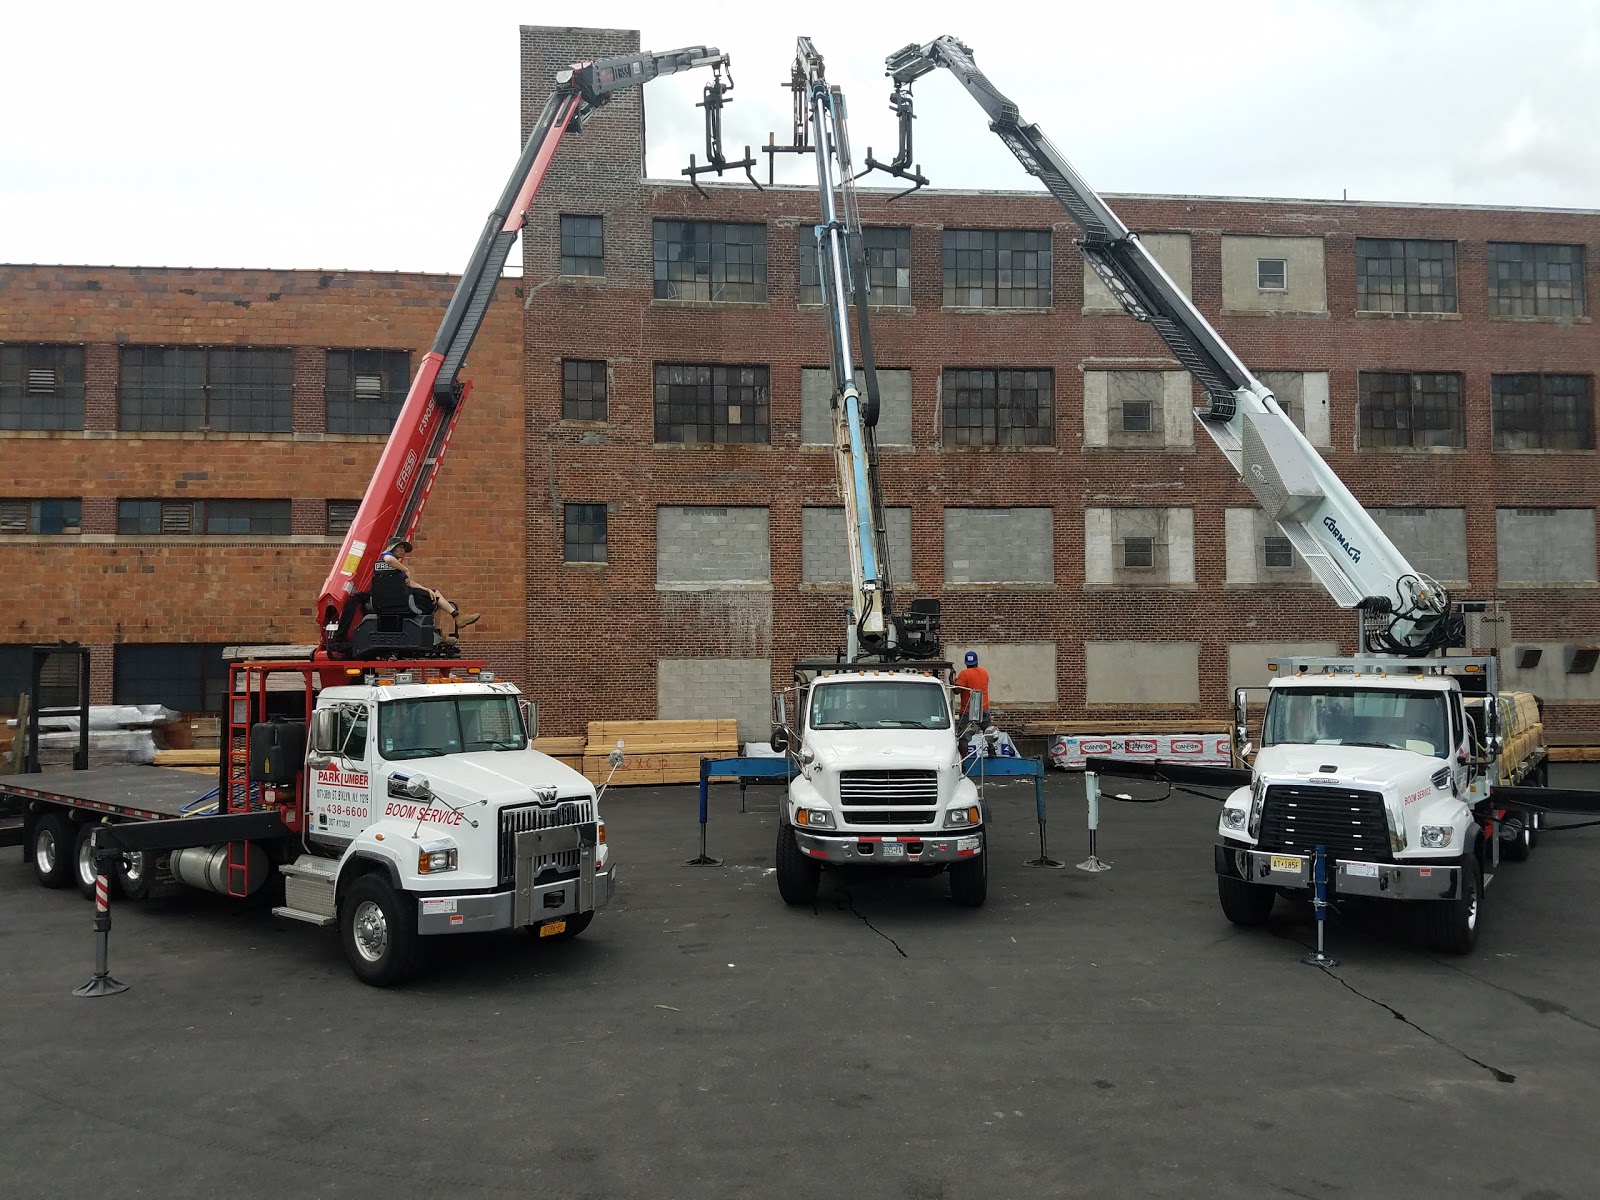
[(704, 260), (340, 515), (1542, 412), (1136, 416), (1272, 274), (705, 404), (1277, 553), (585, 537), (1531, 280), (583, 389), (58, 679), (46, 517), (191, 388), (366, 389), (888, 254), (583, 246), (189, 518), (1411, 410), (1139, 553), (41, 387), (996, 268), (184, 677), (999, 408), (1405, 276)]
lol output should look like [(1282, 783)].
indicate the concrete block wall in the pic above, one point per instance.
[(894, 407), (703, 544), (717, 689), (825, 557), (998, 545), (1434, 540)]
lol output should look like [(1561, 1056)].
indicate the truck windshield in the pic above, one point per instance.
[(1391, 717), (433, 725), (864, 704)]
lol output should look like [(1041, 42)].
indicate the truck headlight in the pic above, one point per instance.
[(1435, 837), (814, 818), (961, 817), (435, 857), (1235, 818)]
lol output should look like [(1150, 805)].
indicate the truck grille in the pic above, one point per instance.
[(579, 811), (891, 816), (1351, 824), (880, 788)]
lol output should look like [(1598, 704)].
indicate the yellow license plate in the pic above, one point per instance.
[(1286, 862), (552, 928)]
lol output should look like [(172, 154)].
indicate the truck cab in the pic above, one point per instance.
[(878, 753), (1375, 763), (427, 811)]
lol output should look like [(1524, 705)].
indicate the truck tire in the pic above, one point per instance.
[(378, 927), (1245, 903), (798, 876), (55, 845), (575, 926), (83, 864), (135, 874), (1518, 849), (969, 880), (1452, 925)]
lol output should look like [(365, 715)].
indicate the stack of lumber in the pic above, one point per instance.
[(655, 752), (188, 758), (568, 750)]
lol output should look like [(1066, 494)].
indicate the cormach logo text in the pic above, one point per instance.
[(1332, 527)]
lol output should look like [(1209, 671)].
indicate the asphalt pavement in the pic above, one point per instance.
[(1106, 1035)]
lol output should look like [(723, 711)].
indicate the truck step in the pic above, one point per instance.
[(310, 918), (308, 885)]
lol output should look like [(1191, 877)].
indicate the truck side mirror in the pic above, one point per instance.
[(530, 717), (780, 738), (325, 731)]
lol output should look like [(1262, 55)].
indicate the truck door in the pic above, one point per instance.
[(341, 789), (1461, 739)]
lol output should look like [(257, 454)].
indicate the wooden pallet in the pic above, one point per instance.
[(656, 752)]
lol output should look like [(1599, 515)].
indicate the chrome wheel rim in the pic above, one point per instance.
[(133, 867), (44, 850), (1472, 911), (86, 861), (372, 931)]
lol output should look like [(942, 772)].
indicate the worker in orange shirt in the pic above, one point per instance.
[(976, 679)]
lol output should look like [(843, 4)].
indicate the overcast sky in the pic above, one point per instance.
[(356, 135)]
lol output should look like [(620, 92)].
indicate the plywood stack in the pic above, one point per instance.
[(656, 752), (568, 750)]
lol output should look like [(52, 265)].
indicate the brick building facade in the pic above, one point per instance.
[(647, 511)]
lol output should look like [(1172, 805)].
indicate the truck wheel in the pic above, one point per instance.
[(1452, 925), (798, 876), (1518, 849), (83, 864), (54, 849), (135, 874), (1245, 903), (969, 880), (575, 926), (379, 929)]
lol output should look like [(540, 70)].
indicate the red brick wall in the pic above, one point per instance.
[(102, 588), (614, 623)]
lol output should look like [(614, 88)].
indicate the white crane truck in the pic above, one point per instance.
[(1404, 794), (877, 730)]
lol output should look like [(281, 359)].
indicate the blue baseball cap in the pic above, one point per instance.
[(972, 658)]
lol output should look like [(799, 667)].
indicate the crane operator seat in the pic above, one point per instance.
[(398, 622)]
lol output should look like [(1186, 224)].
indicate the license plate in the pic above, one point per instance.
[(893, 850), (1286, 862), (551, 928)]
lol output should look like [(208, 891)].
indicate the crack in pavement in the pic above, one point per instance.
[(850, 905), (1537, 1003), (1500, 1076)]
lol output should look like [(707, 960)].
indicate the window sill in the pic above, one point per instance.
[(1155, 585), (720, 585), (1105, 448), (163, 435), (841, 587), (1539, 451), (581, 280), (1001, 586), (1536, 320), (1001, 449), (43, 539), (584, 566), (1274, 312), (995, 311), (1575, 585), (686, 447), (707, 305), (211, 539), (1441, 450), (1272, 585), (1375, 314), (886, 310)]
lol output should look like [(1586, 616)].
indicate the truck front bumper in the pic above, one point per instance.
[(485, 911), (891, 849), (1346, 877)]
